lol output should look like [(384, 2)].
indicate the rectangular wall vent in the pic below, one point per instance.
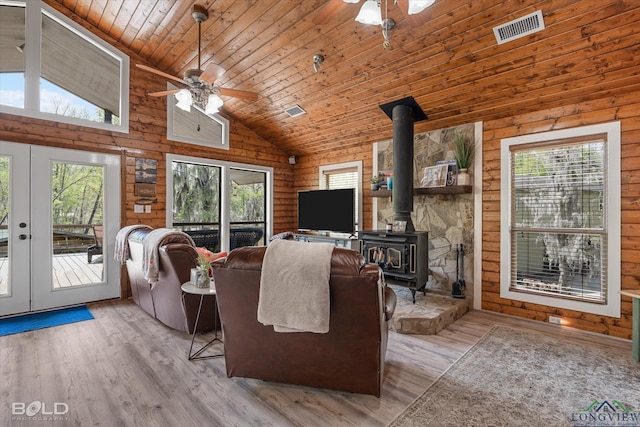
[(528, 24), (294, 111)]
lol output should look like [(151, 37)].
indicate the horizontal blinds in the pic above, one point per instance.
[(79, 66), (557, 220), (336, 179)]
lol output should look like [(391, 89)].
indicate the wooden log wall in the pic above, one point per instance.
[(620, 108), (147, 139)]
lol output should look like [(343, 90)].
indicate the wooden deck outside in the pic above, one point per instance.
[(68, 270)]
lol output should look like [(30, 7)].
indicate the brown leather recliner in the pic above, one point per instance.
[(165, 300), (350, 357)]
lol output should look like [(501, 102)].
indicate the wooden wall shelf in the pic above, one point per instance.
[(453, 189)]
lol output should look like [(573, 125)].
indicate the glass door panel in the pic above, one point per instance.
[(196, 202), (77, 205), (247, 225), (4, 225), (14, 228)]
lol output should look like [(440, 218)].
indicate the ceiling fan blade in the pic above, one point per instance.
[(242, 94), (413, 20), (328, 11), (164, 92), (212, 73), (161, 73)]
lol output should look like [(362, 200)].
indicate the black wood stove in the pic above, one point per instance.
[(403, 256)]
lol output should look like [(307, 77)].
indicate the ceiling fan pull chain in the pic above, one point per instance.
[(387, 25)]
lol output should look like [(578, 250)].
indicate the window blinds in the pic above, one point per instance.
[(558, 236)]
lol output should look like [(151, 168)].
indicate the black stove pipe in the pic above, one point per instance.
[(403, 119)]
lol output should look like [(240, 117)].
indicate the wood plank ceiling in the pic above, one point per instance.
[(451, 64)]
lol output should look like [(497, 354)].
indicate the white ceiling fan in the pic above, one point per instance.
[(370, 13), (200, 89)]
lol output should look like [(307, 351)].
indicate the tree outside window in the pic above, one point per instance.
[(560, 218)]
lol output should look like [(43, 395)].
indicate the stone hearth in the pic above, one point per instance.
[(429, 315)]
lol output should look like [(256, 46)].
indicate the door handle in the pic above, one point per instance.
[(22, 225), (22, 236)]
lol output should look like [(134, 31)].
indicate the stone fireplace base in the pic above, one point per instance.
[(429, 315)]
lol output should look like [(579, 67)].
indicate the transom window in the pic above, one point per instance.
[(195, 126), (562, 207), (54, 69)]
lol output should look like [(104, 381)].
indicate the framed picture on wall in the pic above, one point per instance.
[(452, 170), (435, 176), (146, 170)]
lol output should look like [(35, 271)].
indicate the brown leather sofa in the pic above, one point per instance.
[(165, 301), (350, 357)]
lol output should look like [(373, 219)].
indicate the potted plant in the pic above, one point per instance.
[(200, 274), (375, 181), (463, 154)]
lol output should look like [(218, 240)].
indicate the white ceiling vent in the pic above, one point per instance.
[(529, 24), (294, 111)]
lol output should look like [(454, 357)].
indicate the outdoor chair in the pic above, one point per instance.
[(96, 248)]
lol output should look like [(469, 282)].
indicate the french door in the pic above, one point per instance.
[(59, 214)]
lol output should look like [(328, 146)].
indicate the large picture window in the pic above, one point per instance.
[(561, 210), (54, 69), (222, 205)]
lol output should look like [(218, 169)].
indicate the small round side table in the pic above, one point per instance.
[(189, 288)]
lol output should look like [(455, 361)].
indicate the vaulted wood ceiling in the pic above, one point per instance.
[(451, 64)]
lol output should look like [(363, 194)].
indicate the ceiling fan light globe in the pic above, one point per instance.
[(351, 1), (183, 106), (417, 6), (370, 13), (184, 100), (213, 104)]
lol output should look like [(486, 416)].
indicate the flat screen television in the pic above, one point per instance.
[(327, 210)]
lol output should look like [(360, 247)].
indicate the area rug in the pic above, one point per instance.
[(45, 319), (516, 378)]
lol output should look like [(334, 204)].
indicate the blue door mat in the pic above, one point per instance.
[(45, 319)]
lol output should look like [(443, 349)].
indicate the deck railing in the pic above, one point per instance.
[(206, 234), (67, 238)]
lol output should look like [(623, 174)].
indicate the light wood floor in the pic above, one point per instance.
[(126, 369)]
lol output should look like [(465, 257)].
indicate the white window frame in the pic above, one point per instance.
[(322, 172), (171, 135), (612, 219), (225, 197), (33, 32)]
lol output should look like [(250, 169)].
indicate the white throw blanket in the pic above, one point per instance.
[(150, 256), (121, 253), (294, 286)]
